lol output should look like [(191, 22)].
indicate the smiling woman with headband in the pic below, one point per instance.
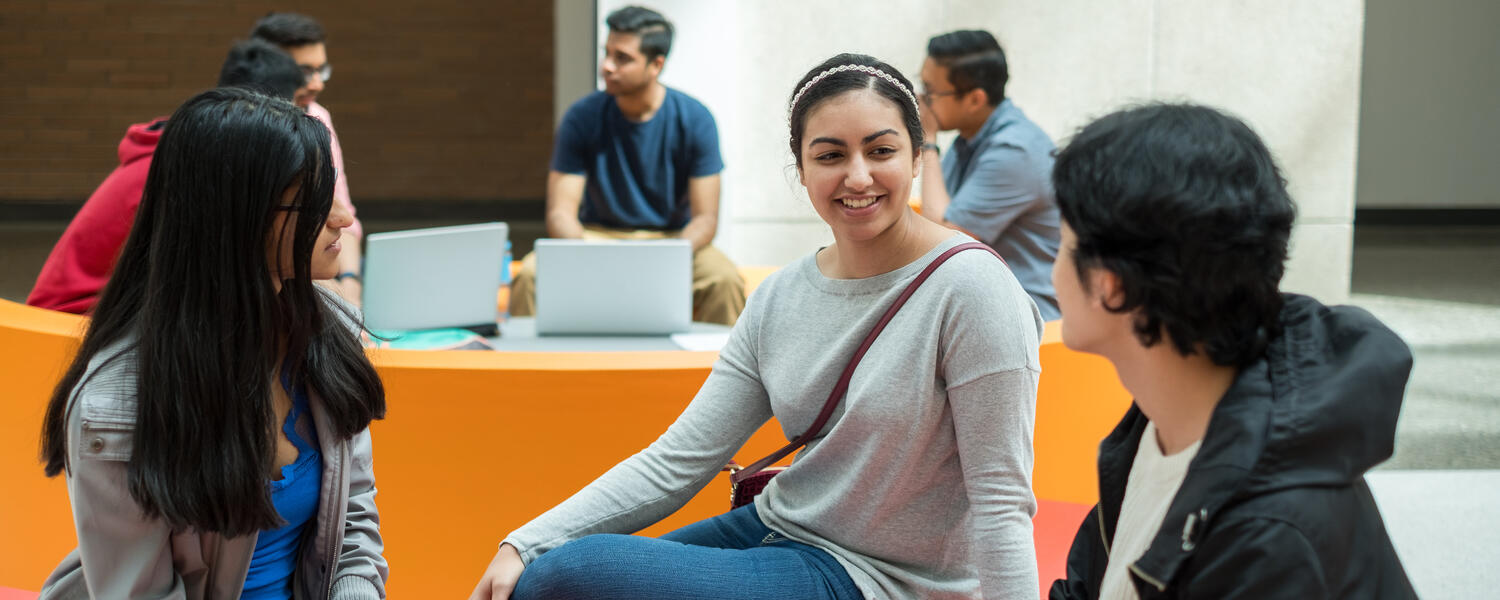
[(914, 480)]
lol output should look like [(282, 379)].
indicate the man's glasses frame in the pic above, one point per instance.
[(926, 97), (324, 72)]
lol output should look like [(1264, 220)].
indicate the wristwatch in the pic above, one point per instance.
[(348, 275), (933, 147)]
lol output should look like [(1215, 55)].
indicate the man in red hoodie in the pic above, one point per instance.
[(82, 260)]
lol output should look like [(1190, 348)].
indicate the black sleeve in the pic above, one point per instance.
[(1254, 558), (1086, 561)]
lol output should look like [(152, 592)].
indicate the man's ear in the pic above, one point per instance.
[(658, 63), (976, 98), (1107, 288)]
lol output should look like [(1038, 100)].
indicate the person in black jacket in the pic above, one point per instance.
[(1238, 472)]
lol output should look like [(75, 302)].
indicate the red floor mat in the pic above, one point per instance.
[(15, 594), (1053, 528)]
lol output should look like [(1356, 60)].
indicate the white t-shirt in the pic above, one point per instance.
[(1153, 484)]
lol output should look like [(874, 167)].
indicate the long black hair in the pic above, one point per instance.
[(193, 290)]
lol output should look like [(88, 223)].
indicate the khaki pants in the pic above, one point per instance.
[(718, 289)]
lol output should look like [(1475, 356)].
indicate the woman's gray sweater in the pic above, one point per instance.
[(920, 484)]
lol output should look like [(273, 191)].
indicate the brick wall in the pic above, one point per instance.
[(434, 101)]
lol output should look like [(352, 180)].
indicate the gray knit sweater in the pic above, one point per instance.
[(920, 485)]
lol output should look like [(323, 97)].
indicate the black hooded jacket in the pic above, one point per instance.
[(1275, 503)]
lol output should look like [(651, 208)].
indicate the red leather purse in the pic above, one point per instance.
[(745, 483)]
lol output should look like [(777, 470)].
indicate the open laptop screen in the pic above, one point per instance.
[(613, 287), (435, 277)]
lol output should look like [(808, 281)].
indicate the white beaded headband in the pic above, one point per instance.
[(872, 71)]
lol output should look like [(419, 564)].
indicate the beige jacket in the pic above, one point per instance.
[(122, 554)]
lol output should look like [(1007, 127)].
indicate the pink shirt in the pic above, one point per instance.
[(341, 185)]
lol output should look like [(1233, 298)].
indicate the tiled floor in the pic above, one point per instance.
[(1445, 527), (1440, 289)]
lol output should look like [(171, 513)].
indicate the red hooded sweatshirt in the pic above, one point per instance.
[(82, 260)]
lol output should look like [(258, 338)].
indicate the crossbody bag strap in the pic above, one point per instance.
[(843, 384)]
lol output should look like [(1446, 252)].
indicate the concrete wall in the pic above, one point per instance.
[(1430, 108), (575, 72), (1290, 68)]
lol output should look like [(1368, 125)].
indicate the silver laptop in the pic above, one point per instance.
[(613, 287), (435, 277)]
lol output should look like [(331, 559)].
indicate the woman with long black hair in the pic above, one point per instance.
[(214, 423)]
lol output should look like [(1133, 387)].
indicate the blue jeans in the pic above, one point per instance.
[(733, 555)]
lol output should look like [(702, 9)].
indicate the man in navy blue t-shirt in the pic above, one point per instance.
[(639, 161)]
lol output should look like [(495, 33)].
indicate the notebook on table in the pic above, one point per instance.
[(613, 287)]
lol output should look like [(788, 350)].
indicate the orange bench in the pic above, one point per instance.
[(476, 443)]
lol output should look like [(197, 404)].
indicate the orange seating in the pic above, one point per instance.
[(476, 443), (753, 275), (1079, 400), (36, 523)]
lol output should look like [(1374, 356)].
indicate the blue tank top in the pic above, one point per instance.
[(295, 496)]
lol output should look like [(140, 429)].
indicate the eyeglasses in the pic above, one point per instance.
[(926, 97), (324, 72)]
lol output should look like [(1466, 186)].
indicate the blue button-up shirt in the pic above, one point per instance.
[(1001, 187)]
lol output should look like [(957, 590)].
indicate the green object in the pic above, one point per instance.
[(429, 339)]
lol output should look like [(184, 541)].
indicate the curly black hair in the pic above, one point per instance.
[(1185, 205)]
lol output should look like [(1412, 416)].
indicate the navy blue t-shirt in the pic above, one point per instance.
[(637, 172)]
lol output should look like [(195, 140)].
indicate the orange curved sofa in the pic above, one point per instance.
[(476, 443)]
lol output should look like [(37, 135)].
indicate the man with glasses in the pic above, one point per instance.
[(303, 38), (995, 182)]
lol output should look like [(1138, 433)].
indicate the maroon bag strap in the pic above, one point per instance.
[(843, 384)]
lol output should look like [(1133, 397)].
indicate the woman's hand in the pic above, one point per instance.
[(501, 576)]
